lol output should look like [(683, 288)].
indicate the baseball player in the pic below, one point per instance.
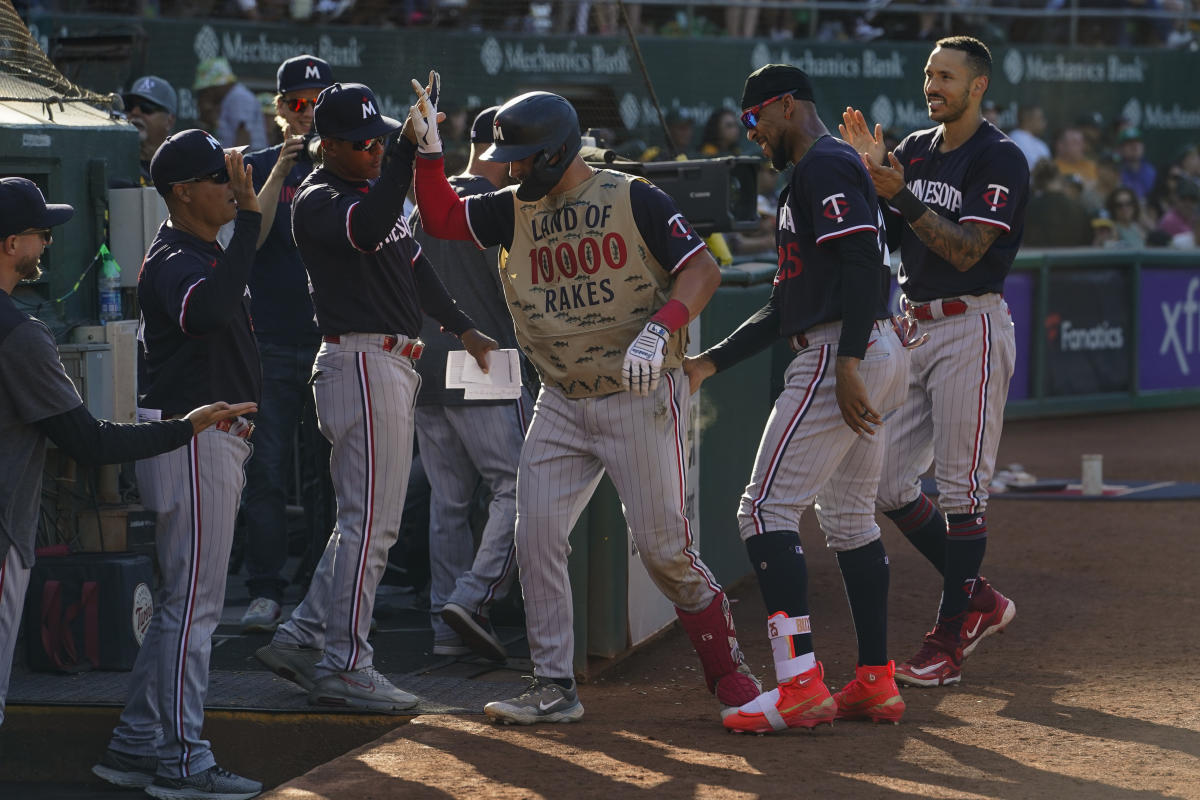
[(370, 284), (465, 441), (196, 341), (287, 338), (958, 191), (820, 446), (150, 106), (39, 402), (601, 274)]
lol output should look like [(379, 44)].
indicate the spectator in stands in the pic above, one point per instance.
[(1182, 214), (1055, 216), (1031, 126), (1104, 233), (228, 109), (150, 106), (1136, 173), (1091, 125), (1124, 209), (1188, 161), (680, 129), (722, 134), (1071, 158)]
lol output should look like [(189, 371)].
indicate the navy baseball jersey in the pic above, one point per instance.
[(279, 296), (986, 180), (367, 291), (829, 196), (196, 335)]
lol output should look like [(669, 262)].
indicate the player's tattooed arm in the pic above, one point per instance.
[(962, 245)]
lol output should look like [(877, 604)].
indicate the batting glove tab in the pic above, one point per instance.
[(423, 115), (644, 358)]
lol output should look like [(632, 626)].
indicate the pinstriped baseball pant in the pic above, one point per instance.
[(195, 490), (365, 399), (14, 580), (640, 442), (460, 445)]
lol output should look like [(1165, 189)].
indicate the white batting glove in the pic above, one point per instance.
[(644, 358), (423, 115)]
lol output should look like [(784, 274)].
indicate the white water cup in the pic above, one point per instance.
[(1093, 474)]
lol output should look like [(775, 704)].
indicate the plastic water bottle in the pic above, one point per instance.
[(110, 286)]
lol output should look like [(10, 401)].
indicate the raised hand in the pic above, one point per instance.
[(855, 132)]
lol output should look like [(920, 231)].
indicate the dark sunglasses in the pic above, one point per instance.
[(300, 103), (750, 115), (220, 176), (144, 106), (369, 144), (45, 233)]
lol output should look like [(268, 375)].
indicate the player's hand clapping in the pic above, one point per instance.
[(241, 182), (423, 115), (855, 132)]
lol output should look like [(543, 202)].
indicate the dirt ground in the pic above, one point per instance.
[(1089, 694)]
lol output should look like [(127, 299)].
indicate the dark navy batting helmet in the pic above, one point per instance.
[(537, 124)]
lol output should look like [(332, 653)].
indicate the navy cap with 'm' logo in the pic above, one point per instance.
[(303, 72), (349, 111), (184, 156)]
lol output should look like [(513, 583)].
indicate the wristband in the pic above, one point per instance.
[(674, 315), (907, 204)]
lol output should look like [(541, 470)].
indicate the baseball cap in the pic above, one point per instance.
[(213, 72), (1186, 188), (303, 72), (186, 155), (156, 90), (349, 111), (23, 206), (776, 79), (481, 128), (1129, 134)]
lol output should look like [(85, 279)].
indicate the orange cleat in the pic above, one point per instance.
[(872, 695), (799, 702)]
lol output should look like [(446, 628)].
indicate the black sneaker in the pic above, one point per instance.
[(212, 784), (476, 631), (126, 771)]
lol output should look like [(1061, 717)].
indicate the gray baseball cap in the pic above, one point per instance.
[(156, 90)]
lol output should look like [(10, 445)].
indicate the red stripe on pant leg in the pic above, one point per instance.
[(980, 417), (364, 381), (681, 477), (777, 457)]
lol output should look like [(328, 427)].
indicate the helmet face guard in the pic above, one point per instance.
[(538, 124)]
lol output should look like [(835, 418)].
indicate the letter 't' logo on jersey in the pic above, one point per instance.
[(836, 206), (996, 196), (311, 71), (368, 108), (679, 227)]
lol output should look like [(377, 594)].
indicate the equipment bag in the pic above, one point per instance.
[(87, 611)]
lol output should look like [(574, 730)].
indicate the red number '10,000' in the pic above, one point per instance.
[(546, 265)]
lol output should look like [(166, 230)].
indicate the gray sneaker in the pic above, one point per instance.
[(212, 784), (262, 616), (292, 661), (543, 701), (364, 689), (126, 771), (476, 631)]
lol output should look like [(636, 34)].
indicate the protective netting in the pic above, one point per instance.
[(26, 73)]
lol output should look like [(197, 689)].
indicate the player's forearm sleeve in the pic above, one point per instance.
[(436, 300), (752, 336), (375, 215), (862, 276), (95, 441), (443, 212), (218, 297)]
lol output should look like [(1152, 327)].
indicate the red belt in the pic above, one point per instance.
[(226, 425), (950, 308), (412, 348)]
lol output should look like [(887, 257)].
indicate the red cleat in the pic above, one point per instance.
[(989, 612), (800, 702), (872, 695), (937, 663)]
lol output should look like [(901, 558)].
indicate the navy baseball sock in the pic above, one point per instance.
[(865, 575), (925, 527), (778, 560), (966, 542)]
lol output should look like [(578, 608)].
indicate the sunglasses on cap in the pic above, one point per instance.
[(750, 115), (369, 144), (299, 104), (144, 106), (220, 176), (45, 233)]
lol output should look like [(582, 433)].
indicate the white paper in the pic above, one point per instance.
[(501, 382)]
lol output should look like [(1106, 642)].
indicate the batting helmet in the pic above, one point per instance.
[(537, 124)]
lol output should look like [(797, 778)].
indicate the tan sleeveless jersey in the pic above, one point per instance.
[(581, 283)]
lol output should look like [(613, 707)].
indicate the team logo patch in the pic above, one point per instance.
[(143, 610), (368, 109), (996, 196), (835, 207), (212, 142), (679, 227)]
